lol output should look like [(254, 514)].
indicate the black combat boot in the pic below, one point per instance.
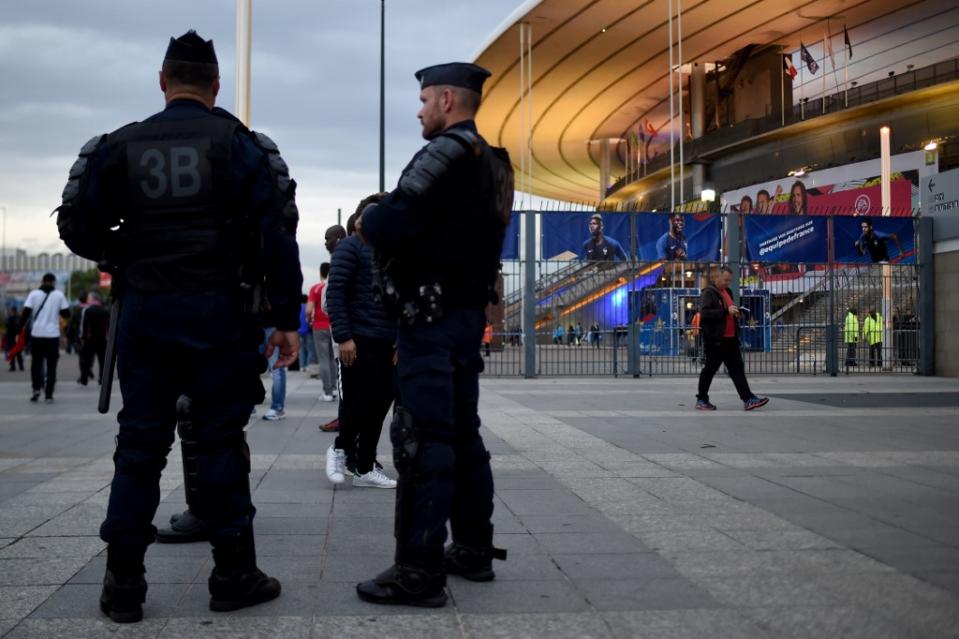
[(405, 585), (184, 528), (236, 582), (124, 587), (475, 564)]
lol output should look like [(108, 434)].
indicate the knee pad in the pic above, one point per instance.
[(140, 458), (405, 440)]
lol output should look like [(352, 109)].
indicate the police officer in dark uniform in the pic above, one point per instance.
[(193, 212), (438, 238)]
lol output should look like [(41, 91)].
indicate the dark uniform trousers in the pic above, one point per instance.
[(199, 345), (450, 480)]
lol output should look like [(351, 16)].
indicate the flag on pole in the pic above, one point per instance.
[(788, 66), (832, 55), (845, 37), (811, 64)]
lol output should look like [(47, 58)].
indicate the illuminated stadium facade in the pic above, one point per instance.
[(764, 106)]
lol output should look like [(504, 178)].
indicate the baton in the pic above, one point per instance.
[(106, 386)]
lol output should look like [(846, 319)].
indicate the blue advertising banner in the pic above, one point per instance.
[(786, 238), (571, 232), (864, 240), (679, 236), (511, 240)]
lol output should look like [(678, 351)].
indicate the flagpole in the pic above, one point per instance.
[(672, 165), (845, 73), (824, 71), (682, 120), (802, 85), (782, 89), (244, 30)]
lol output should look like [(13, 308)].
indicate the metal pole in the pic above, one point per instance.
[(682, 121), (529, 296), (382, 96), (832, 361), (733, 221), (886, 190), (802, 86), (927, 309), (845, 78), (782, 89), (529, 111), (672, 164), (244, 47), (522, 116), (3, 251), (339, 217), (823, 112)]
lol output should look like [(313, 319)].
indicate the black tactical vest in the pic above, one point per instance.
[(473, 212), (179, 230)]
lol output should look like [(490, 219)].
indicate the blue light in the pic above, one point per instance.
[(618, 296)]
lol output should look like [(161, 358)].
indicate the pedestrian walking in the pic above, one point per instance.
[(93, 329), (12, 332), (720, 330), (42, 311)]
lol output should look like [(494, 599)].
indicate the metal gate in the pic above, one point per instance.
[(637, 318)]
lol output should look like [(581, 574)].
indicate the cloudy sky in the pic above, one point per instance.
[(71, 70)]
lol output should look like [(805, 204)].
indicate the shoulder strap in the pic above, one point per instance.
[(33, 316)]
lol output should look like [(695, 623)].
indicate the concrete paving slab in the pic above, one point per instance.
[(534, 626), (805, 519), (682, 624)]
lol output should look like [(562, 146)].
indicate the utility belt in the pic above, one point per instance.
[(425, 303)]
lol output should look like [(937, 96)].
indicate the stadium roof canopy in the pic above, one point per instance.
[(600, 69)]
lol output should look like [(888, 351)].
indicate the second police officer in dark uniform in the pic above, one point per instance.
[(195, 211), (438, 238)]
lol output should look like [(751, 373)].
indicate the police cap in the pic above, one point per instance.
[(190, 47), (457, 74)]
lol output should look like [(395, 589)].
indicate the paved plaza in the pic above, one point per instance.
[(833, 512)]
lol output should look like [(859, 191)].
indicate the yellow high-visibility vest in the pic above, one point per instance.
[(872, 329), (852, 328)]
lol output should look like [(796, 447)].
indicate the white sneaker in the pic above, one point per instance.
[(274, 415), (374, 479), (326, 398), (335, 465)]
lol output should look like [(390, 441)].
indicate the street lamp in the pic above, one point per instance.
[(3, 250), (382, 96)]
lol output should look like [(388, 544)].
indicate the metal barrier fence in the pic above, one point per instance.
[(639, 318)]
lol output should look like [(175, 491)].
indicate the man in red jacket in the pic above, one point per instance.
[(321, 335), (719, 320)]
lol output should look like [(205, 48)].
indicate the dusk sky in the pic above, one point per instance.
[(71, 70)]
